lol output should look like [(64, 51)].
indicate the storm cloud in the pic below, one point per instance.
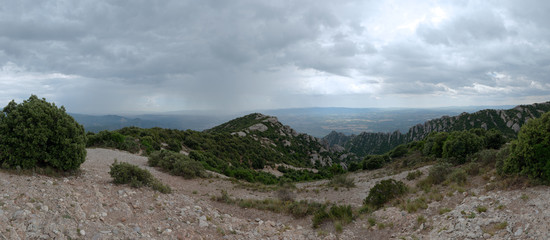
[(142, 56)]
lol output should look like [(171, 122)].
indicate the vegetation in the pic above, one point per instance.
[(502, 121), (36, 133), (126, 173), (176, 164), (384, 191), (414, 175), (342, 180), (220, 151), (530, 153), (298, 209)]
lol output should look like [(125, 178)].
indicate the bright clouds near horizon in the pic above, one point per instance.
[(115, 57)]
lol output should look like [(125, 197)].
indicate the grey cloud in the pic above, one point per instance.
[(479, 25), (250, 54)]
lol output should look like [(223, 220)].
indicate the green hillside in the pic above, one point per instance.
[(506, 121), (240, 148)]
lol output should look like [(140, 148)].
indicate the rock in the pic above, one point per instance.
[(518, 232), (258, 127), (82, 232), (203, 222)]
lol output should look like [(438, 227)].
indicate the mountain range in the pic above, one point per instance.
[(507, 121)]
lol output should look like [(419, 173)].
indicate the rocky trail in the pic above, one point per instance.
[(90, 206)]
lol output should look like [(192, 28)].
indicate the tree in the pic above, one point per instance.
[(530, 153), (36, 133)]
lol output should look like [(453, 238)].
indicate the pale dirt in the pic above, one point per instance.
[(90, 206)]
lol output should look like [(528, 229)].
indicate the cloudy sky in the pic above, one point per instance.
[(153, 56)]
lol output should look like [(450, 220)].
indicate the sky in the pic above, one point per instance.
[(119, 57)]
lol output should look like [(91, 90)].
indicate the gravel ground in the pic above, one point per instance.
[(89, 206)]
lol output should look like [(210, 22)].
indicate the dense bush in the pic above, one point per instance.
[(36, 133), (399, 151), (126, 173), (384, 191), (372, 162), (494, 139), (461, 144), (176, 164), (530, 153), (433, 144), (112, 140)]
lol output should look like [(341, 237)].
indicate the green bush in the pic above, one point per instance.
[(384, 191), (461, 144), (494, 139), (126, 173), (36, 133), (372, 162), (433, 144), (176, 164), (399, 151), (110, 139), (530, 153)]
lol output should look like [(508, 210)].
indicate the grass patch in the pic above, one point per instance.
[(414, 205), (481, 209), (421, 219), (444, 210), (414, 175), (494, 227), (342, 180), (338, 214)]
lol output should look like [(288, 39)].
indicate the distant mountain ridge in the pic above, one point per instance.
[(507, 121)]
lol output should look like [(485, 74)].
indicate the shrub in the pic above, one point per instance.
[(494, 139), (126, 173), (342, 180), (433, 144), (438, 172), (372, 162), (461, 144), (284, 192), (399, 151), (414, 175), (112, 139), (385, 191), (342, 214), (458, 176), (176, 164), (36, 133), (354, 166), (530, 153)]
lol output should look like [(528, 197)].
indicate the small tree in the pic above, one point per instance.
[(37, 133)]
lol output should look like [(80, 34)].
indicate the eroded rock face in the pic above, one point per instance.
[(258, 127)]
